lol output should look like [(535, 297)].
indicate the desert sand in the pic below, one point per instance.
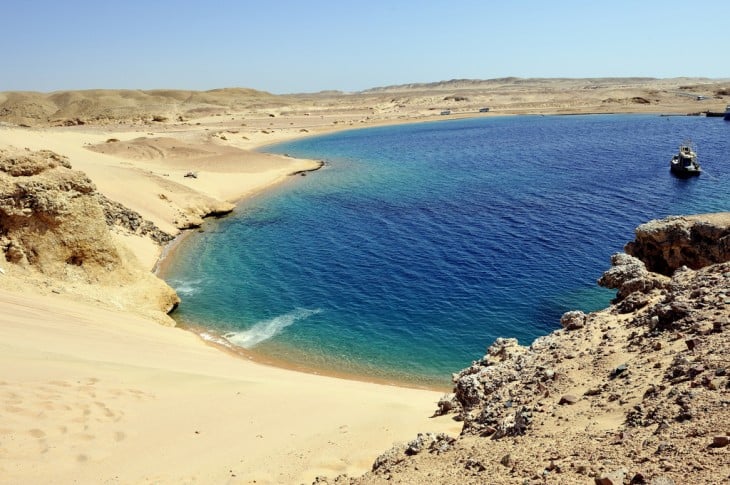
[(91, 395), (93, 389)]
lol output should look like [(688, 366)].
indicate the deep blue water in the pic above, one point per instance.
[(417, 245)]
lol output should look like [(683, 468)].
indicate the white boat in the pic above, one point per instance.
[(684, 163)]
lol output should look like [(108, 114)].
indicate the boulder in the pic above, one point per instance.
[(628, 274), (573, 320)]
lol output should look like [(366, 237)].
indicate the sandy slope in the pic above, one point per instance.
[(96, 396)]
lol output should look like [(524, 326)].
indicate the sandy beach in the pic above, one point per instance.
[(95, 390), (91, 395)]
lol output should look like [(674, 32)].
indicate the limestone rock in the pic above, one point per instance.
[(53, 222), (614, 478), (692, 241), (573, 320), (628, 274), (48, 215)]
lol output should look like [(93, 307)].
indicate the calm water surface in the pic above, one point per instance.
[(418, 245)]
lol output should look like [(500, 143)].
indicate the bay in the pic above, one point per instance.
[(417, 245)]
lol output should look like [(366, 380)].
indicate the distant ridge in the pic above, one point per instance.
[(506, 95), (79, 107), (484, 83)]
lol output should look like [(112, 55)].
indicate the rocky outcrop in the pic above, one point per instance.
[(118, 215), (54, 223), (693, 241), (48, 213), (633, 282), (636, 393)]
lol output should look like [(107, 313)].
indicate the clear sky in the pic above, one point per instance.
[(289, 46)]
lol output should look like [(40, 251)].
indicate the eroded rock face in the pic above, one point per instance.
[(693, 241), (485, 391), (53, 222), (49, 215), (629, 275), (118, 215)]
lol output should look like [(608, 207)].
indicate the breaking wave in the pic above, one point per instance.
[(186, 287), (266, 329)]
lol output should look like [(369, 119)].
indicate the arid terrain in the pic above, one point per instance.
[(95, 184)]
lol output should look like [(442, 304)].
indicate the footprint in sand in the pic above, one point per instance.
[(119, 436), (84, 437), (13, 409), (107, 412), (12, 398), (60, 383), (37, 433)]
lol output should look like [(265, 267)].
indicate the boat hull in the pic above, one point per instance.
[(685, 172)]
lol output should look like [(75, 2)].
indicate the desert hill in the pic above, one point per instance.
[(504, 95), (102, 105)]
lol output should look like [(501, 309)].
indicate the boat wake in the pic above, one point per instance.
[(267, 329)]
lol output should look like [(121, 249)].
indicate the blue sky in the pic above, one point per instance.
[(305, 46)]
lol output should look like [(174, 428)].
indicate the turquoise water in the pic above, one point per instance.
[(418, 245)]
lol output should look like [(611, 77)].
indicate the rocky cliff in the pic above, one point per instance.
[(692, 241), (636, 393), (55, 227)]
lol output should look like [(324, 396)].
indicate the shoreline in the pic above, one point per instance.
[(221, 344), (211, 338), (265, 359), (95, 384)]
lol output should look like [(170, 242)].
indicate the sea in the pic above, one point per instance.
[(417, 245)]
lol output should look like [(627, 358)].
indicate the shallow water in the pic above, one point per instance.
[(418, 245)]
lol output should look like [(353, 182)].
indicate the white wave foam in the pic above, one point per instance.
[(267, 329), (186, 287), (209, 337)]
